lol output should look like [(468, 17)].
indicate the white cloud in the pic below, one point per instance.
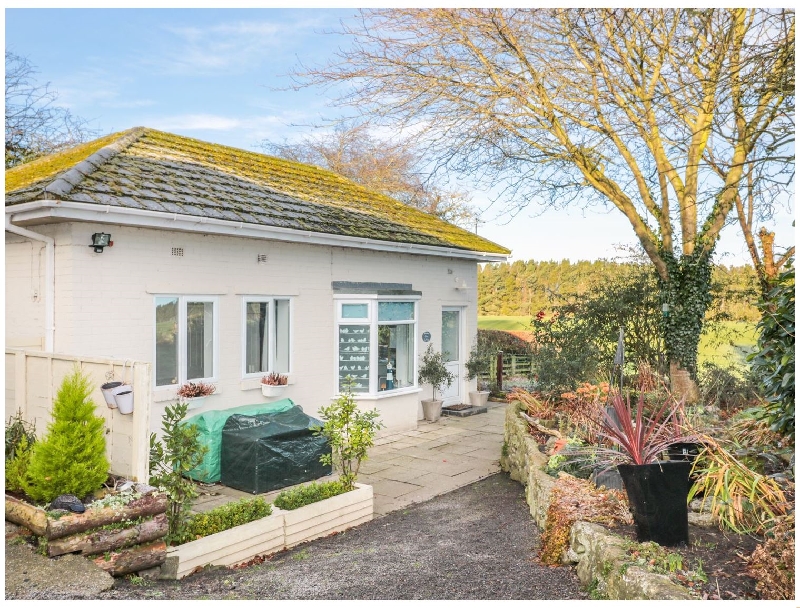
[(221, 48)]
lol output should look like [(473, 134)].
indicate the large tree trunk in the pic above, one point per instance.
[(133, 560), (99, 541), (682, 385)]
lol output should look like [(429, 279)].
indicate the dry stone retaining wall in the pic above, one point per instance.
[(599, 554)]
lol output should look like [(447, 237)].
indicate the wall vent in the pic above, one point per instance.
[(261, 258), (177, 252)]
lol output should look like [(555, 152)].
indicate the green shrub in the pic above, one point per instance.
[(170, 459), (725, 388), (774, 361), (227, 516), (16, 429), (350, 432), (17, 465), (71, 458), (308, 494)]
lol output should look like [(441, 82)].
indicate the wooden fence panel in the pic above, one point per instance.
[(40, 374)]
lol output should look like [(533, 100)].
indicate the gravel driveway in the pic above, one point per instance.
[(478, 542)]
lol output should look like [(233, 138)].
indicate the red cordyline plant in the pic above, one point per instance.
[(643, 439)]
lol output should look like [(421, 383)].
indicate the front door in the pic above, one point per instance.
[(452, 351)]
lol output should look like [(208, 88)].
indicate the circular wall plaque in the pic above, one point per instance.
[(426, 336)]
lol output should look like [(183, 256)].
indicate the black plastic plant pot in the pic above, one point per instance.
[(657, 494)]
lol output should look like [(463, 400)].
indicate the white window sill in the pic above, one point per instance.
[(411, 390), (171, 394), (254, 382)]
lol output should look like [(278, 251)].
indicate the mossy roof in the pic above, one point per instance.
[(151, 170)]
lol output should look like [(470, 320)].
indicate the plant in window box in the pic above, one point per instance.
[(274, 384), (195, 393), (433, 371), (478, 363)]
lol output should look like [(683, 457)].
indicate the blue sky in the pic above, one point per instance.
[(216, 75)]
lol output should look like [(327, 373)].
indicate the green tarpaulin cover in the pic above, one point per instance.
[(265, 452), (211, 425)]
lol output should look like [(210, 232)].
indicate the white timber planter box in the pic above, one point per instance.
[(328, 516), (240, 544)]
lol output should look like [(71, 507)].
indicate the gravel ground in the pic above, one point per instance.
[(478, 542)]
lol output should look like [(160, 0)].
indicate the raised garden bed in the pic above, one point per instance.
[(239, 544), (276, 532)]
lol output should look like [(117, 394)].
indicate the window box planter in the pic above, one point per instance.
[(193, 403), (272, 390), (261, 537), (328, 516)]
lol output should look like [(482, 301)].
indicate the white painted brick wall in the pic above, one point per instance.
[(105, 301)]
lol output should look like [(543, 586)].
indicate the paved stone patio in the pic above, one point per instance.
[(414, 466)]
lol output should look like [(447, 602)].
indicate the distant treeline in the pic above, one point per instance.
[(524, 288)]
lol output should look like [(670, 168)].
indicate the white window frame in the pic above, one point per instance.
[(271, 335), (371, 320), (182, 337)]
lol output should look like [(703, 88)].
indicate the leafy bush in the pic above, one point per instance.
[(772, 562), (432, 370), (178, 453), (227, 516), (16, 430), (17, 466), (309, 494), (71, 457), (350, 432), (741, 499), (726, 389), (579, 339), (774, 361)]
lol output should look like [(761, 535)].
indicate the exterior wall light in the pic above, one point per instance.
[(100, 240)]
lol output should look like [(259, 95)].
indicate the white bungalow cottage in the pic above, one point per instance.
[(217, 264)]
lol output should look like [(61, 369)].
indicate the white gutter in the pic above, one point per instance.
[(49, 279), (142, 218)]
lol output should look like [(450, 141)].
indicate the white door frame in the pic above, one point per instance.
[(455, 393)]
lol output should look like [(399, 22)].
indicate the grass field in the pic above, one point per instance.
[(729, 344)]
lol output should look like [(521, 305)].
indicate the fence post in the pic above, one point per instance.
[(500, 370)]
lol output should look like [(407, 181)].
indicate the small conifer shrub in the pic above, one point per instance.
[(71, 457)]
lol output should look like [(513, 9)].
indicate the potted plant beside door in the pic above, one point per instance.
[(434, 372), (657, 489), (479, 361)]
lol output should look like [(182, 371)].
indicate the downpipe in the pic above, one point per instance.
[(49, 279)]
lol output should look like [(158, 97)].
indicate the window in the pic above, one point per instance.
[(377, 344), (266, 335), (186, 339)]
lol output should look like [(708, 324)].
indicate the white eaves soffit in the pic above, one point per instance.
[(43, 211)]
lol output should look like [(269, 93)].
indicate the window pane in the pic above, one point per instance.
[(354, 311), (199, 340), (257, 337), (282, 336), (395, 356), (354, 356), (395, 311), (450, 336), (166, 341)]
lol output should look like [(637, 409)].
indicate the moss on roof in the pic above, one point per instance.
[(299, 181), (51, 165)]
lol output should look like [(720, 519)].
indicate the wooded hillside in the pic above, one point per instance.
[(527, 287)]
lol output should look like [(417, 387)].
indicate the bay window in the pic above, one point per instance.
[(376, 344), (266, 335), (186, 339)]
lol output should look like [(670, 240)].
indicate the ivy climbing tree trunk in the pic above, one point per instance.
[(654, 112)]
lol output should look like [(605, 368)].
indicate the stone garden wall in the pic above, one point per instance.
[(598, 553)]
